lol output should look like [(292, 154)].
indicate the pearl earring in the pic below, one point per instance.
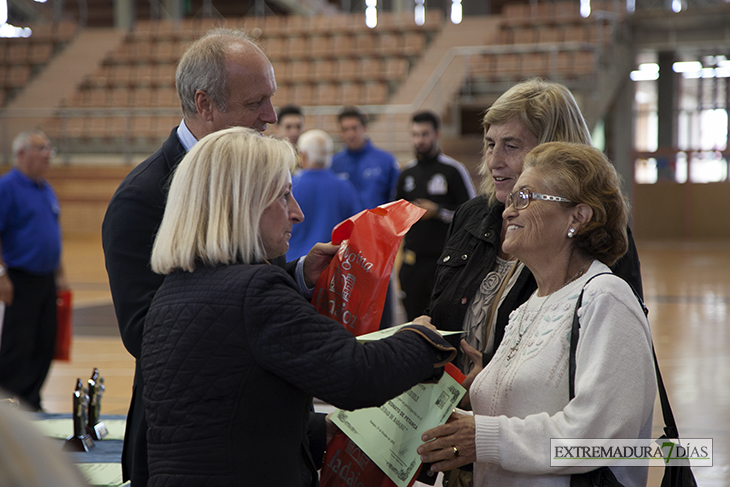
[(571, 233)]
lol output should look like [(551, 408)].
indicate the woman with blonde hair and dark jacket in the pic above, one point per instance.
[(232, 353)]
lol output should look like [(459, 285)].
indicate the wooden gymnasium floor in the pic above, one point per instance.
[(687, 288)]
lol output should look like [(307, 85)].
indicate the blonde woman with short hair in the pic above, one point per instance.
[(233, 197), (227, 332)]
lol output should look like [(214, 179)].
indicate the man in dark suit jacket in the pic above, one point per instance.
[(223, 80)]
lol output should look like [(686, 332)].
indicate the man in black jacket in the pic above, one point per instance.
[(223, 80), (438, 184)]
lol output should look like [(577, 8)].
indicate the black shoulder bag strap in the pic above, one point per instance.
[(671, 427), (673, 476)]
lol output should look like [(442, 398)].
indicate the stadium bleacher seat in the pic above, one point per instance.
[(322, 60)]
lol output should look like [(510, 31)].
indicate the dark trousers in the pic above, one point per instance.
[(134, 452), (416, 284), (28, 337)]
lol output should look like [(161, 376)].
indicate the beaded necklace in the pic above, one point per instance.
[(520, 331)]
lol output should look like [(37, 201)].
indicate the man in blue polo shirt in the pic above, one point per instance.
[(374, 172), (30, 270)]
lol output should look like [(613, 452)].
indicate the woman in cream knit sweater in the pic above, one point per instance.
[(566, 221)]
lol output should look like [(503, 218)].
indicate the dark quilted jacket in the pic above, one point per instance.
[(231, 357), (128, 232)]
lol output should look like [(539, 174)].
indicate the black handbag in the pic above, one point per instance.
[(600, 477), (674, 476)]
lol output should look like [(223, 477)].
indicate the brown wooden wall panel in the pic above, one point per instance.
[(676, 211)]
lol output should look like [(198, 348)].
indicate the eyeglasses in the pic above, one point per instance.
[(521, 199)]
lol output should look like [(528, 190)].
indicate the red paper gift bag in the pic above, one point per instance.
[(345, 465), (63, 330), (352, 289)]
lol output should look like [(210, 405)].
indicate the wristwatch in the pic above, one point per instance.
[(3, 270)]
